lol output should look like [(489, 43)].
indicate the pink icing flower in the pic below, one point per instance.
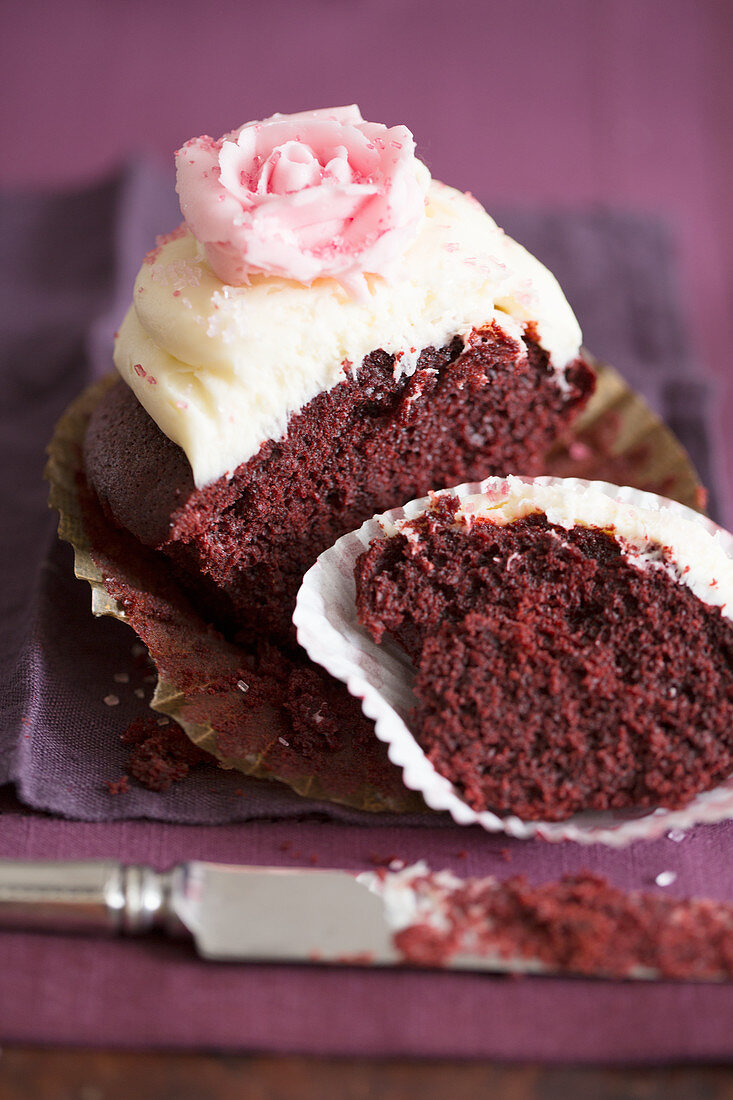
[(306, 196)]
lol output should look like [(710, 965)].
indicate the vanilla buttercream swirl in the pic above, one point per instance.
[(305, 196), (221, 368)]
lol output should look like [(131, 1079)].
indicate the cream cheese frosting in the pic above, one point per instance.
[(221, 368), (658, 537)]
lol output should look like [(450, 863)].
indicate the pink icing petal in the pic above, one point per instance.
[(313, 195)]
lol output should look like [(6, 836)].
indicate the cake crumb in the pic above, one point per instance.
[(159, 756), (676, 835), (118, 786), (384, 861)]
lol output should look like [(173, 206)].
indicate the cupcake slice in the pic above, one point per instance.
[(328, 334), (572, 652)]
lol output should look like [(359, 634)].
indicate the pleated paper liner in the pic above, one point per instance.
[(381, 676), (207, 684)]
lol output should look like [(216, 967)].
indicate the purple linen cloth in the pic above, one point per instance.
[(66, 282), (153, 994)]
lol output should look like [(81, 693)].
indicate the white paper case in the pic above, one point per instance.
[(381, 676)]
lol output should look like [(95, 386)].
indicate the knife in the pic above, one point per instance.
[(375, 918)]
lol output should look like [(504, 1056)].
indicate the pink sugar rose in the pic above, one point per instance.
[(305, 196)]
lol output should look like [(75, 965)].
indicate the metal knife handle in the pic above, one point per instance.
[(86, 896)]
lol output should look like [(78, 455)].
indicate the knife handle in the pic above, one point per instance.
[(85, 896)]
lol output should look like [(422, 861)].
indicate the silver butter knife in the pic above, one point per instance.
[(376, 918)]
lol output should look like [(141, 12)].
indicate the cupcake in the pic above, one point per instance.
[(572, 653), (328, 334), (542, 656)]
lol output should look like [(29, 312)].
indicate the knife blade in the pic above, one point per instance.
[(375, 918)]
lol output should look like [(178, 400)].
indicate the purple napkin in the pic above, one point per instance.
[(66, 281)]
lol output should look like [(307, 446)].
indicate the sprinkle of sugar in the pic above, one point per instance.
[(579, 451), (284, 742), (111, 700), (242, 685), (665, 878), (140, 370), (121, 677), (178, 274), (163, 722), (676, 835)]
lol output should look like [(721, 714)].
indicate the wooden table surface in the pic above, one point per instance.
[(33, 1074)]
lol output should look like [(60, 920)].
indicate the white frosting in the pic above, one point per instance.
[(221, 369), (404, 905), (650, 538)]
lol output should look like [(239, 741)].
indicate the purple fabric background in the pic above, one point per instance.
[(531, 105)]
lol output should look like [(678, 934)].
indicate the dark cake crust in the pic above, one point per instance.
[(240, 546), (553, 675)]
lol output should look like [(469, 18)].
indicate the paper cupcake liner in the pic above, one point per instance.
[(381, 676), (199, 672)]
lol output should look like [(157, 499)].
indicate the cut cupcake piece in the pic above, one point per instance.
[(572, 653)]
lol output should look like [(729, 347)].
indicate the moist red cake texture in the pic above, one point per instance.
[(274, 712), (553, 676), (240, 546), (580, 925)]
